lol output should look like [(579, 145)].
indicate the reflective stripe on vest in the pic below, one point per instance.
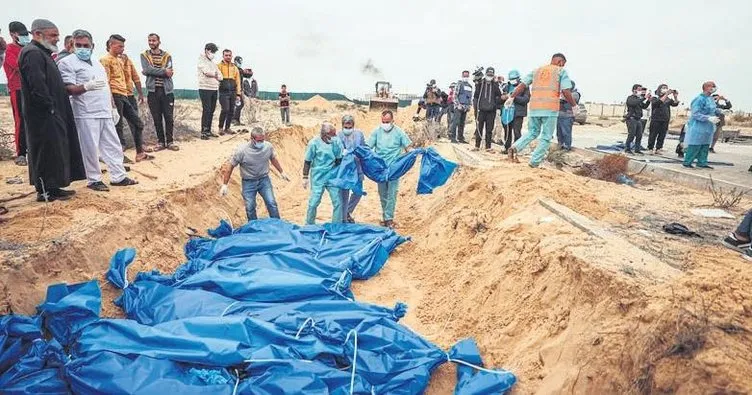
[(544, 92)]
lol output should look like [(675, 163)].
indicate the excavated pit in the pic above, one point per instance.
[(566, 306)]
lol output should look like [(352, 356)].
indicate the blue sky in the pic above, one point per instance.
[(323, 45)]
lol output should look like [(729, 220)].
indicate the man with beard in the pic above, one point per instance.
[(54, 152)]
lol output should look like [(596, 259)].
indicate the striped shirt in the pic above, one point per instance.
[(156, 60)]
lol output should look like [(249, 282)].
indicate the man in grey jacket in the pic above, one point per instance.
[(157, 67), (513, 131)]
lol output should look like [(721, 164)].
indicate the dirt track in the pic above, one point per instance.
[(563, 309)]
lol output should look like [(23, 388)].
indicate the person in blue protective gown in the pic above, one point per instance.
[(322, 156), (350, 139), (701, 127), (388, 142)]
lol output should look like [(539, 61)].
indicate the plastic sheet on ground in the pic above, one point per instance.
[(434, 169), (251, 311)]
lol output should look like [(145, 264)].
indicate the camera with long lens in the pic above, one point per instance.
[(478, 74)]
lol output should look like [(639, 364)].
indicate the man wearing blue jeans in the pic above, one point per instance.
[(254, 158), (741, 238)]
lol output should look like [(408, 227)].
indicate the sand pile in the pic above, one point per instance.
[(486, 261), (317, 103)]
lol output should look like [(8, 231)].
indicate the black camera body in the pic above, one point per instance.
[(478, 74)]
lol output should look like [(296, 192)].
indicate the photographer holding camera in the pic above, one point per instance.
[(661, 104), (723, 104), (636, 102)]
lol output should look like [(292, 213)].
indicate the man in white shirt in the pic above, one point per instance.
[(86, 82)]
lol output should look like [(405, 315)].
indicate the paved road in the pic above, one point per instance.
[(740, 155)]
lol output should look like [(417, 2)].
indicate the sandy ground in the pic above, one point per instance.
[(634, 311)]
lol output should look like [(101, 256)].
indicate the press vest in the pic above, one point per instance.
[(544, 92)]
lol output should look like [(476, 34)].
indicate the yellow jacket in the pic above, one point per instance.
[(131, 75), (115, 74), (230, 72)]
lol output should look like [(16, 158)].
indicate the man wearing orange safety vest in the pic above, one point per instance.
[(546, 83)]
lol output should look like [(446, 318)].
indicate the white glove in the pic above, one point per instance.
[(284, 177), (223, 190), (509, 102), (715, 120), (94, 85), (115, 116), (305, 183)]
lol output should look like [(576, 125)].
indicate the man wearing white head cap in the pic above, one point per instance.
[(54, 154)]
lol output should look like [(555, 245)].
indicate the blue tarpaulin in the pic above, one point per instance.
[(263, 309), (434, 169)]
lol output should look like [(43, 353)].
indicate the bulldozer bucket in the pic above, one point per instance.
[(380, 104)]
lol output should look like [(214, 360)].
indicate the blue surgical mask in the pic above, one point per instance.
[(258, 144), (347, 132), (83, 53), (23, 40)]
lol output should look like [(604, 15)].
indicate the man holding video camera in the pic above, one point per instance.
[(661, 104)]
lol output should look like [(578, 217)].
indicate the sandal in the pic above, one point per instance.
[(125, 182), (143, 157), (153, 149)]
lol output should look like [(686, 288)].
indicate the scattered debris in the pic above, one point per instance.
[(14, 180), (676, 228), (608, 168), (725, 198)]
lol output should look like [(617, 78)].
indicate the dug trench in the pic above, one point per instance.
[(567, 304)]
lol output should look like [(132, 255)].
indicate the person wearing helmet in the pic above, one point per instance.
[(350, 138), (322, 156), (240, 101), (513, 130), (487, 100)]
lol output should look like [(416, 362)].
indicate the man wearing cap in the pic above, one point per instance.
[(54, 153), (513, 131), (240, 102), (86, 82), (157, 67), (21, 38), (487, 100), (546, 83), (116, 74)]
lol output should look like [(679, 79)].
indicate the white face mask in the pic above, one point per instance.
[(347, 131), (465, 79), (387, 126), (209, 55), (489, 78)]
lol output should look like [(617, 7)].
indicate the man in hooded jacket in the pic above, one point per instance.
[(487, 99)]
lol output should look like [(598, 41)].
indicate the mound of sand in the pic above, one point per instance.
[(540, 296), (317, 103)]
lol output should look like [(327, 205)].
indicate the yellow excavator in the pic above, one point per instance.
[(383, 99)]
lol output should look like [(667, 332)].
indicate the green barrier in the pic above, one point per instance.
[(192, 94)]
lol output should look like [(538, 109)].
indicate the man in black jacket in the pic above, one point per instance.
[(636, 102), (661, 105), (723, 104), (487, 99), (240, 101)]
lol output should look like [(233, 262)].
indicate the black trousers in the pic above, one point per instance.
[(513, 129), (457, 130), (486, 120), (635, 129), (657, 134), (227, 103), (208, 105), (238, 110), (161, 106), (129, 113)]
